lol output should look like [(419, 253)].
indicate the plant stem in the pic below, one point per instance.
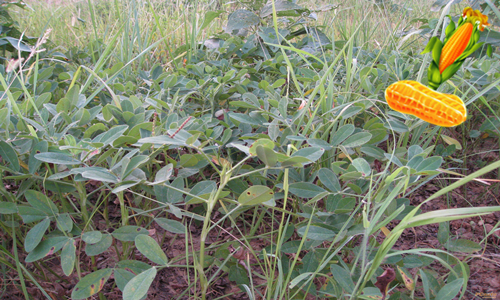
[(123, 209)]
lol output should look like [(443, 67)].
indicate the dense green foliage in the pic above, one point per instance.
[(286, 140)]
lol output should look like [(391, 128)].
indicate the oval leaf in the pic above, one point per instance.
[(255, 195), (311, 153), (128, 233), (171, 225), (357, 139), (91, 284), (138, 286), (461, 245), (57, 158), (68, 257), (10, 155), (329, 179), (150, 248), (92, 237), (35, 235), (99, 247), (450, 290), (268, 156), (316, 233), (241, 18), (305, 189)]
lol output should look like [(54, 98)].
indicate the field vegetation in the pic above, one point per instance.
[(242, 150)]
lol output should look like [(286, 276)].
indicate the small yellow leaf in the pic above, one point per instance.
[(409, 283), (451, 141), (386, 231)]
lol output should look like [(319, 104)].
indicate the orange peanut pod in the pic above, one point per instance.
[(414, 98), (455, 46)]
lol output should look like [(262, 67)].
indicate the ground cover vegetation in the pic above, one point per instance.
[(244, 150)]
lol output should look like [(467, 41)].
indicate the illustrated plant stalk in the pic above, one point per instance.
[(411, 97), (461, 41)]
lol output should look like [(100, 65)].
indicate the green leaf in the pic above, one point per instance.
[(245, 119), (362, 166), (434, 76), (451, 70), (339, 205), (150, 248), (357, 139), (240, 19), (238, 274), (430, 45), (171, 225), (296, 161), (450, 290), (99, 247), (462, 245), (443, 232), (373, 151), (128, 233), (174, 196), (101, 175), (242, 104), (397, 126), (319, 143), (342, 277), (96, 128), (341, 134), (91, 237), (91, 284), (41, 202), (138, 286), (7, 208), (255, 195), (209, 17), (133, 266), (33, 163), (436, 51), (46, 247), (268, 156), (134, 162), (112, 134), (57, 158), (329, 180), (122, 277), (164, 174), (430, 164), (68, 257), (305, 189), (31, 214), (281, 7), (468, 52), (35, 235), (9, 155), (266, 143), (450, 28), (64, 222), (316, 233), (202, 189), (311, 153)]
